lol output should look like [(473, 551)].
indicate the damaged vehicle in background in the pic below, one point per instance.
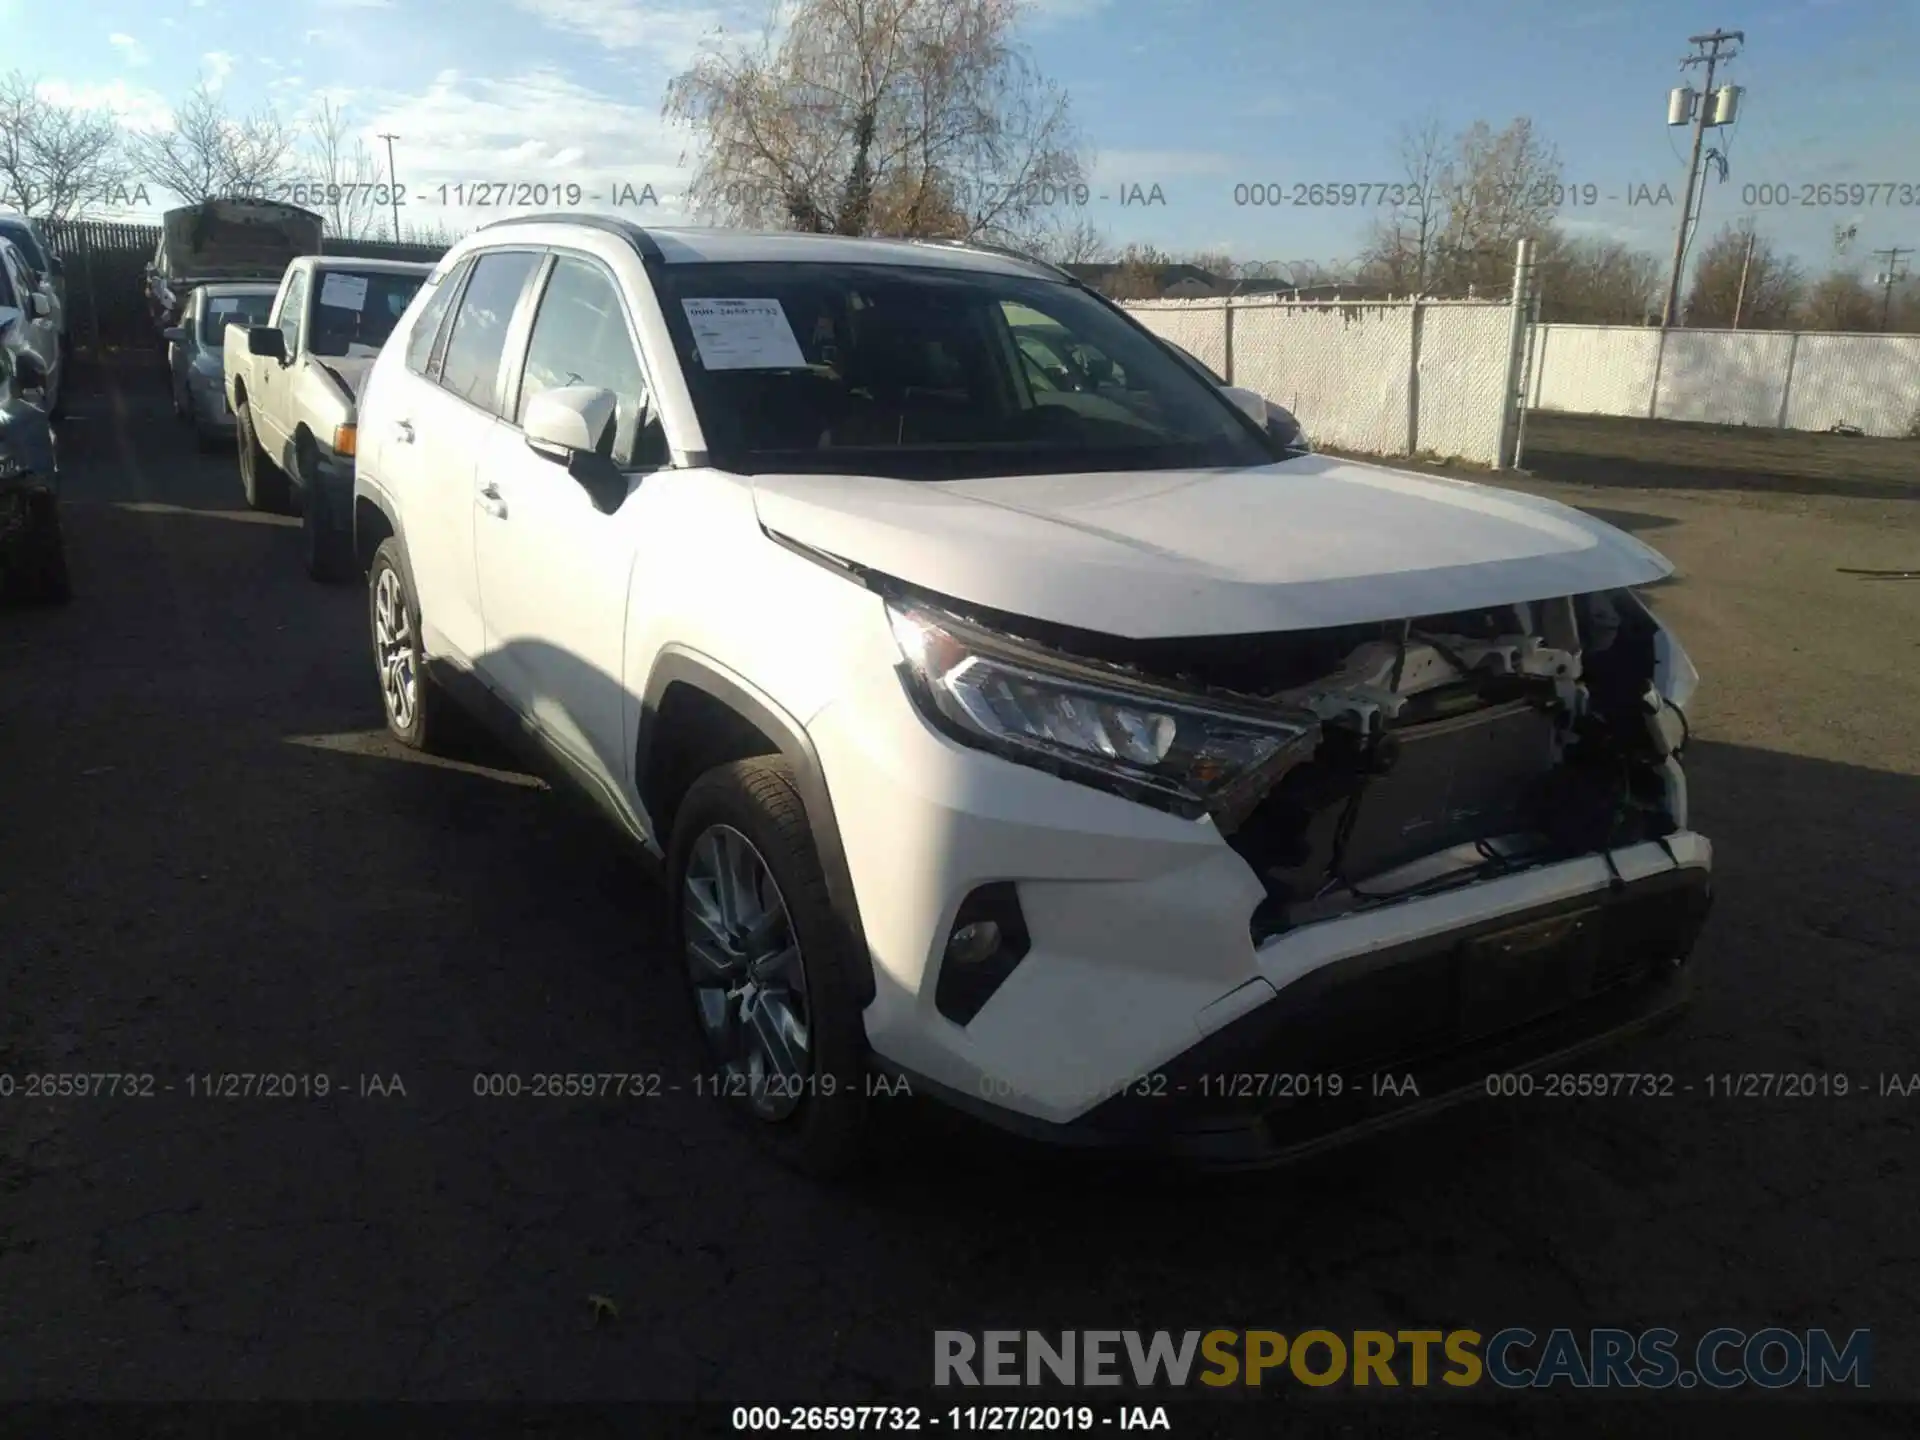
[(1088, 755), (222, 241), (33, 552), (292, 383), (196, 354)]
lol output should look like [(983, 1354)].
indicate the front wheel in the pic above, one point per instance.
[(771, 979), (326, 545)]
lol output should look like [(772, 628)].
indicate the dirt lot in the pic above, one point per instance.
[(210, 861)]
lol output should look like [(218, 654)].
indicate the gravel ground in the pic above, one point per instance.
[(211, 861)]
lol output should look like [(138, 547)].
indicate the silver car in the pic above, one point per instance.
[(196, 353)]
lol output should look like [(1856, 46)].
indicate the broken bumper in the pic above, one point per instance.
[(1385, 1034)]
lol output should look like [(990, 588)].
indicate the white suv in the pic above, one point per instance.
[(1050, 735)]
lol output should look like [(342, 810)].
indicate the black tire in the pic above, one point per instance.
[(827, 1135), (36, 571), (58, 409), (432, 719), (261, 481), (326, 547)]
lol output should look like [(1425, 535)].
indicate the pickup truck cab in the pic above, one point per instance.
[(293, 385)]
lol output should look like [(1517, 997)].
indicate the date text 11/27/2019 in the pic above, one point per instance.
[(535, 194)]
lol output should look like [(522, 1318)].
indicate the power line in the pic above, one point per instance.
[(1709, 50)]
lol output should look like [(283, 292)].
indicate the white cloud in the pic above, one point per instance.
[(355, 4), (675, 36), (136, 107), (536, 126), (131, 50), (217, 65)]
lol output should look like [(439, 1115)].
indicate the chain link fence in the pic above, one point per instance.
[(1430, 378), (106, 275)]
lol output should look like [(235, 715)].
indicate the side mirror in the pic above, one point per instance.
[(268, 341), (569, 418), (1251, 402), (174, 335), (572, 424), (41, 306), (56, 267)]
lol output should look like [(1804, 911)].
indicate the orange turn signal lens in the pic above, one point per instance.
[(343, 440)]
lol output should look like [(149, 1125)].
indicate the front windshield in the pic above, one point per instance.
[(225, 310), (926, 373), (354, 311)]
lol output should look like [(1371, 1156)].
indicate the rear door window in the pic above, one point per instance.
[(471, 368)]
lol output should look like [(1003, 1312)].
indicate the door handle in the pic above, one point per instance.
[(404, 429), (492, 501)]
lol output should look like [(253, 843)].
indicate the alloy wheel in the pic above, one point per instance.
[(749, 979), (393, 650)]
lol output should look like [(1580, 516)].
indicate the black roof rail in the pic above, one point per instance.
[(634, 235), (1006, 251)]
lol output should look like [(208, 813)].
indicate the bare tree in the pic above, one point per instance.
[(1135, 274), (1403, 250), (208, 153), (1840, 300), (1773, 283), (1079, 242), (346, 168), (1600, 282), (54, 159), (881, 117), (1503, 186)]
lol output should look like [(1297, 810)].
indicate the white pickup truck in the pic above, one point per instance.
[(294, 387)]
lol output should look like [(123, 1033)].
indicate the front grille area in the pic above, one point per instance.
[(1445, 1011)]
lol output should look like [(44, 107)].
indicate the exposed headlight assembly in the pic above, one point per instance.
[(1186, 754)]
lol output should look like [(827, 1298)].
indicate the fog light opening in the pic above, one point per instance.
[(986, 943), (973, 942)]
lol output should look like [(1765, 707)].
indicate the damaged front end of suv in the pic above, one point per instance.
[(1352, 765), (1501, 756)]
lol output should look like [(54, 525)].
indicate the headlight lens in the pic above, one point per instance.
[(1059, 714)]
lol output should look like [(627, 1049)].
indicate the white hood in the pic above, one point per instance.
[(1308, 543)]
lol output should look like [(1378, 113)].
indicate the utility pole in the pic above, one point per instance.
[(1709, 50), (1740, 295), (393, 184), (1894, 273)]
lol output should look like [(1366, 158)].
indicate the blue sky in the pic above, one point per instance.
[(1193, 97)]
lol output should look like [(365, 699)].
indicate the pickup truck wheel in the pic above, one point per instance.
[(35, 570), (327, 546), (771, 982), (260, 479), (416, 711)]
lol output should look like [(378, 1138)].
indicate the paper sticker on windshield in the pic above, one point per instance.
[(743, 335), (344, 291), (223, 304)]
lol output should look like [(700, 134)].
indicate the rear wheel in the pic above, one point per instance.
[(770, 978), (261, 481), (412, 704)]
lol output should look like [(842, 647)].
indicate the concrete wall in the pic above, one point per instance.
[(1801, 380), (1377, 377)]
